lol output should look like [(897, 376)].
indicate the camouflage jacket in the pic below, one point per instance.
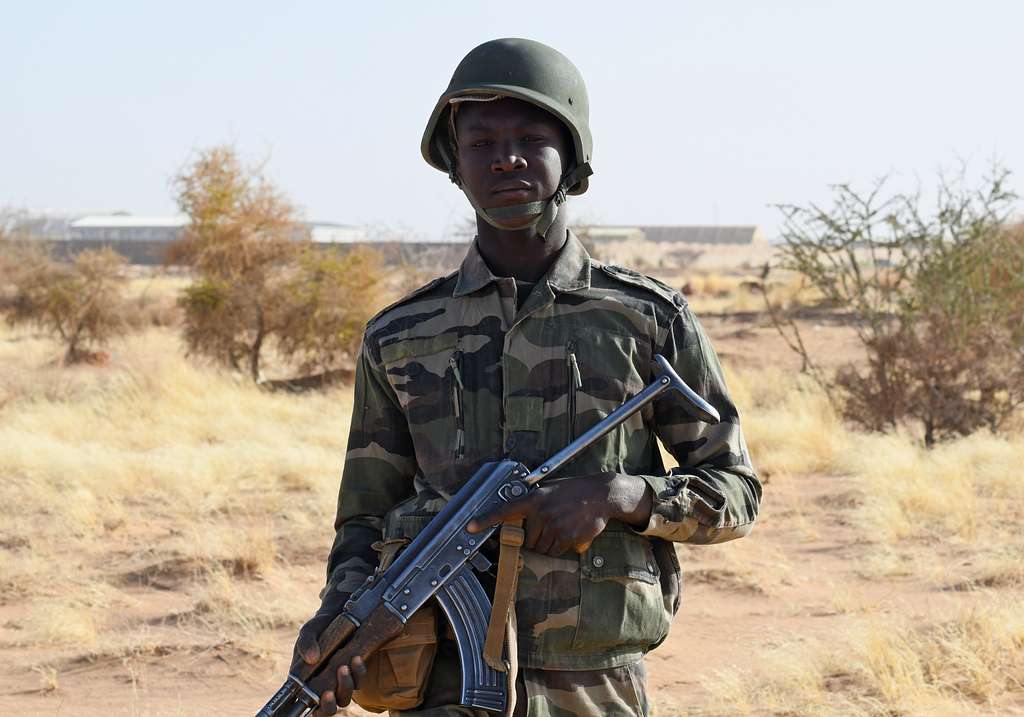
[(453, 376)]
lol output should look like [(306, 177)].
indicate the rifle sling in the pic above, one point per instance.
[(509, 564)]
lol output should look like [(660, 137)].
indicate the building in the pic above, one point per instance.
[(147, 239), (144, 239), (330, 233), (678, 234), (126, 228)]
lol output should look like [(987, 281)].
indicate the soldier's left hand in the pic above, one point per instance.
[(568, 514)]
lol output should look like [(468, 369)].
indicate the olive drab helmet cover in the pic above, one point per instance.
[(532, 72)]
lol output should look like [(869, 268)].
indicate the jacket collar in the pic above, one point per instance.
[(569, 272)]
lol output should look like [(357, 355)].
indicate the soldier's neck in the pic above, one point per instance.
[(520, 253)]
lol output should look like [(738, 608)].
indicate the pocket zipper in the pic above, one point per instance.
[(575, 383), (457, 389)]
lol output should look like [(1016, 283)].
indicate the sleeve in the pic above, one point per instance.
[(714, 494), (378, 473)]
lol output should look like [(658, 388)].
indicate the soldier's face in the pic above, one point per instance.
[(510, 152)]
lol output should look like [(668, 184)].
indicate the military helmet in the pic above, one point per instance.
[(532, 72)]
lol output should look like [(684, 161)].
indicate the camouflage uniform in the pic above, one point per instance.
[(454, 375)]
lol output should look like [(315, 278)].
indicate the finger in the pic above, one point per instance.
[(561, 547), (345, 686), (513, 509), (328, 705), (307, 645), (546, 541), (358, 671), (533, 528)]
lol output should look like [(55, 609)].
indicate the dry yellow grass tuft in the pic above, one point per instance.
[(965, 665), (791, 428), (161, 428), (245, 613), (966, 489), (55, 623)]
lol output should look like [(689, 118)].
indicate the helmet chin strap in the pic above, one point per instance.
[(540, 215)]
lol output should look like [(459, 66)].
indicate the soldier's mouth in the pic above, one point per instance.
[(517, 187)]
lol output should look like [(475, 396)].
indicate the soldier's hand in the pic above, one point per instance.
[(348, 677), (568, 514), (307, 649)]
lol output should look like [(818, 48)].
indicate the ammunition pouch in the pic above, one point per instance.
[(397, 673)]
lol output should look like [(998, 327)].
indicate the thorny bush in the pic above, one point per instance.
[(936, 298)]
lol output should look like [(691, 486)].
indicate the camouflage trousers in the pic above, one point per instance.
[(616, 691)]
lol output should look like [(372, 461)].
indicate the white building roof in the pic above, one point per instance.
[(684, 234), (128, 221)]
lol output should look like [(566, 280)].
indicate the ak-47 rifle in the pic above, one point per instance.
[(439, 564)]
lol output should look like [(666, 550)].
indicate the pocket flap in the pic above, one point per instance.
[(420, 346), (617, 553), (524, 413)]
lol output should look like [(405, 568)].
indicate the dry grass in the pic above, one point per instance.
[(744, 566), (238, 609), (939, 515), (789, 424), (965, 665), (154, 469), (965, 489)]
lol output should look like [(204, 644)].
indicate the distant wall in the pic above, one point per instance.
[(143, 253), (440, 256)]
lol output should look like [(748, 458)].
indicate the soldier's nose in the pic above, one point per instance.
[(508, 162)]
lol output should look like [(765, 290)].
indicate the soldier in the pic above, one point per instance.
[(527, 345)]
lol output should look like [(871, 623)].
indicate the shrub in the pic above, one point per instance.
[(260, 282), (937, 299), (324, 304), (240, 236), (82, 303)]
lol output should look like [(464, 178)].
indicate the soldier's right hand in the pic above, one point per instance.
[(307, 649)]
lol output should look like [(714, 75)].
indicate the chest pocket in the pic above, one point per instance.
[(424, 373), (604, 370)]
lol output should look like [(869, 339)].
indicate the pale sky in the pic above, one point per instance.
[(705, 112)]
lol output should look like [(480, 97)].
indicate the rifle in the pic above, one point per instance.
[(439, 564)]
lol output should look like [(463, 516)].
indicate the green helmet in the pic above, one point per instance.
[(529, 71)]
